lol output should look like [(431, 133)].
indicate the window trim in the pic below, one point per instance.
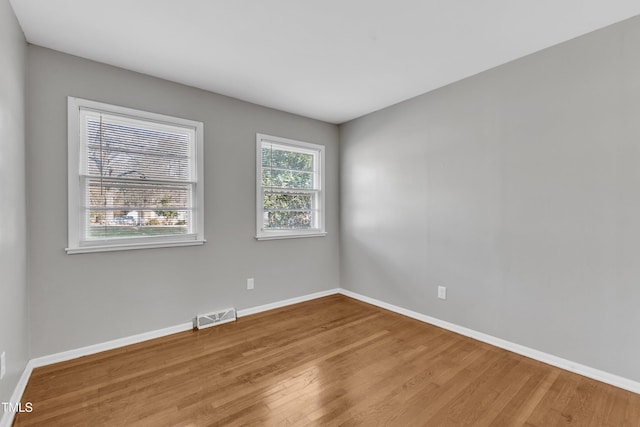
[(289, 234), (75, 243)]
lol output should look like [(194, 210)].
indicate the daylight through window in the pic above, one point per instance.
[(137, 179), (290, 197)]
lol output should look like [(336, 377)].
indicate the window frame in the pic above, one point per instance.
[(296, 146), (76, 219)]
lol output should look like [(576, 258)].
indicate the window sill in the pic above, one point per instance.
[(127, 247), (291, 236)]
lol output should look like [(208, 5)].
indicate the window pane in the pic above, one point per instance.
[(288, 220), (119, 164), (284, 159), (287, 179), (116, 209), (137, 180), (119, 151), (116, 194), (122, 134), (139, 223), (276, 201), (289, 182)]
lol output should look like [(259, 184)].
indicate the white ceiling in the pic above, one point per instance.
[(332, 60)]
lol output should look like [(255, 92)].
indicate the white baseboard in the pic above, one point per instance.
[(134, 339), (550, 359), (16, 397), (284, 303), (6, 418), (109, 345)]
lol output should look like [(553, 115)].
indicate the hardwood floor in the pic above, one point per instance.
[(330, 361)]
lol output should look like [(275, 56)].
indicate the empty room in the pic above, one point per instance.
[(279, 212)]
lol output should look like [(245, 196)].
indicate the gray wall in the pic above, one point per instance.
[(13, 232), (519, 190), (79, 300)]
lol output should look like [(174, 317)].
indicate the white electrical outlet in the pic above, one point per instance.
[(250, 284), (442, 292), (3, 365)]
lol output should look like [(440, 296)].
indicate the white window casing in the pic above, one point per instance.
[(135, 179), (290, 188)]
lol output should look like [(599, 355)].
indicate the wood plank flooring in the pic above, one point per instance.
[(330, 361)]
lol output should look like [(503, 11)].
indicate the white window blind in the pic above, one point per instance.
[(137, 182), (290, 197)]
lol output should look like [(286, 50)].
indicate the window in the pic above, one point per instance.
[(135, 179), (290, 188)]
